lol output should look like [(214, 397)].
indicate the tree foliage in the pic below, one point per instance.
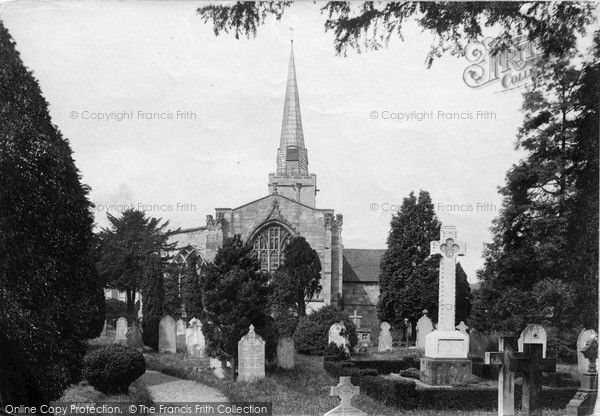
[(408, 277), (235, 296), (370, 25), (152, 288), (312, 332), (51, 298), (125, 248), (542, 264), (303, 266)]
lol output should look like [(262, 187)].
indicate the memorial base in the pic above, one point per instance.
[(583, 402), (445, 371)]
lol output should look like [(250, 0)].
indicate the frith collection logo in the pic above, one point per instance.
[(512, 68)]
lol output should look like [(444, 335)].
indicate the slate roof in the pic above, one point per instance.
[(362, 265)]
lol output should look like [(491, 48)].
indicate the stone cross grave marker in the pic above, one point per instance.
[(534, 334), (345, 391), (194, 339), (251, 357), (447, 342), (462, 327), (167, 335), (356, 319), (449, 248), (134, 337), (180, 345), (582, 362), (336, 337), (424, 327), (121, 336), (285, 353), (506, 378), (385, 338), (531, 363)]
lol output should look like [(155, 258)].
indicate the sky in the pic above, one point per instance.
[(163, 115)]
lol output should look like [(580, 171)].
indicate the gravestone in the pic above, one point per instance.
[(506, 377), (134, 337), (462, 327), (345, 391), (531, 364), (407, 331), (285, 353), (251, 357), (582, 362), (180, 342), (385, 338), (534, 334), (121, 336), (104, 330), (194, 339), (167, 335), (587, 394), (217, 367), (424, 327), (446, 349), (336, 337)]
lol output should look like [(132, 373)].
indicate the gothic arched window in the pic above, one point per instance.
[(269, 244)]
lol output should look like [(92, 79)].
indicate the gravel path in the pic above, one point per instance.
[(166, 389)]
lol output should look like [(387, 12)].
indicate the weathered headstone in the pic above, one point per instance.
[(336, 337), (194, 339), (167, 335), (534, 334), (251, 357), (583, 402), (462, 327), (424, 327), (345, 391), (446, 349), (582, 362), (506, 377), (217, 367), (180, 345), (531, 364), (285, 353), (104, 330), (121, 336), (385, 338), (134, 337)]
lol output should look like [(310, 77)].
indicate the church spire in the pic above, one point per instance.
[(292, 158)]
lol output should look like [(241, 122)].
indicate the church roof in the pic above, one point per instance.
[(292, 158), (362, 265)]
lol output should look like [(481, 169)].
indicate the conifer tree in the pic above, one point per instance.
[(51, 298), (153, 299)]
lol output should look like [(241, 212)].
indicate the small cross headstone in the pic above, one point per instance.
[(167, 335), (336, 337), (345, 391), (285, 353), (251, 357), (424, 327), (121, 336), (180, 345), (506, 378), (531, 363), (534, 334), (356, 319), (134, 337), (385, 338), (462, 327)]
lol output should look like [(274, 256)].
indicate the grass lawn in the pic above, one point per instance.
[(302, 391)]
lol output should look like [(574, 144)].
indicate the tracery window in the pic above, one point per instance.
[(186, 257), (269, 245)]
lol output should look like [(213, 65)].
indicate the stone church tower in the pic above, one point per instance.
[(288, 210)]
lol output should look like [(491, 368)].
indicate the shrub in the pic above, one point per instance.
[(312, 332), (387, 366), (333, 350), (112, 369), (399, 393)]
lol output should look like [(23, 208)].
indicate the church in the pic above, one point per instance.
[(349, 277)]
